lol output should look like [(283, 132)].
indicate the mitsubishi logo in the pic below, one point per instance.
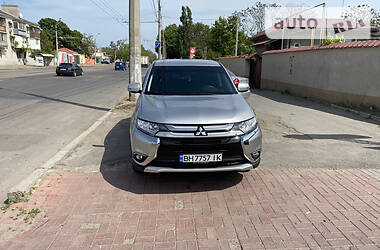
[(200, 131)]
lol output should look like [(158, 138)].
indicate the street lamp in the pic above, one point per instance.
[(95, 46), (56, 38)]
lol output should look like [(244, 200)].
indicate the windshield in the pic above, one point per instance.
[(189, 80)]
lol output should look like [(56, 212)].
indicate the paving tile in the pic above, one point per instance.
[(273, 209)]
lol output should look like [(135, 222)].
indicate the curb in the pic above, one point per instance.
[(33, 178), (360, 113)]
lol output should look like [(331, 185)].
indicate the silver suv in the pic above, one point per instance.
[(190, 118)]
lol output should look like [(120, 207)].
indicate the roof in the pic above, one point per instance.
[(247, 57), (47, 55), (6, 15), (186, 62), (260, 34), (345, 45), (66, 50)]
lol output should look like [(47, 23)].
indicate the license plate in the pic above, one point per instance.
[(63, 69), (200, 158)]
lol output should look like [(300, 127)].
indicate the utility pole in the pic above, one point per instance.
[(56, 40), (159, 30), (237, 35), (164, 45), (134, 45)]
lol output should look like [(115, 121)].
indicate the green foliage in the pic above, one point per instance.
[(211, 41), (121, 50), (330, 40), (185, 33), (46, 45), (67, 38), (146, 52), (172, 41)]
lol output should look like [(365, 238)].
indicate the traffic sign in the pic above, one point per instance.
[(192, 52), (157, 44)]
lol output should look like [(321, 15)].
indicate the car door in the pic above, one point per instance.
[(76, 68)]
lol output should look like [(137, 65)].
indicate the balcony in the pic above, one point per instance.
[(19, 32), (3, 28), (34, 34)]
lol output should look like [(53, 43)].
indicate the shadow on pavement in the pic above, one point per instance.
[(339, 137), (116, 170), (307, 103), (59, 100)]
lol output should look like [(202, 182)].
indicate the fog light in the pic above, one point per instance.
[(255, 155), (140, 157)]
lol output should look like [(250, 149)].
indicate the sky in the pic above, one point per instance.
[(103, 18)]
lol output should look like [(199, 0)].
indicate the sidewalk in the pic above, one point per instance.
[(271, 209), (92, 199)]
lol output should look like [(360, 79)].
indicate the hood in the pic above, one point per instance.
[(208, 109)]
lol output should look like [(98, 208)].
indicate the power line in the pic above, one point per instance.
[(113, 10), (105, 11), (154, 8)]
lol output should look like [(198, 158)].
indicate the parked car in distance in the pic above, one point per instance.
[(120, 66), (71, 69), (105, 62), (240, 82), (190, 118)]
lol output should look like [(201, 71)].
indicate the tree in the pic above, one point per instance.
[(253, 18), (146, 52), (201, 38), (88, 45), (172, 42), (47, 45), (364, 13), (121, 49), (185, 32), (67, 38), (223, 37)]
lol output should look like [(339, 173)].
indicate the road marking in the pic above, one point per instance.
[(26, 184)]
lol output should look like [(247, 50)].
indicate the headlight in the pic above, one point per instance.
[(150, 128), (247, 126)]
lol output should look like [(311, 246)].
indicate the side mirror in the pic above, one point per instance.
[(134, 87), (243, 87)]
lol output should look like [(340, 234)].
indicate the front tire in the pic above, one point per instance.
[(137, 169)]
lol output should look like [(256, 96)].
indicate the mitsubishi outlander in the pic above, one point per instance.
[(190, 117)]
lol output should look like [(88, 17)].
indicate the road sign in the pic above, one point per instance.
[(157, 44), (192, 52)]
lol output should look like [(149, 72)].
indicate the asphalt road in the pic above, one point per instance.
[(297, 134), (41, 113)]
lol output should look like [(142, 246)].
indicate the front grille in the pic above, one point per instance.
[(170, 149)]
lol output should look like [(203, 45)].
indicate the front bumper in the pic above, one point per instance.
[(240, 153)]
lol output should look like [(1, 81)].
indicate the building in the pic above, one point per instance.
[(102, 56), (18, 37), (66, 55)]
